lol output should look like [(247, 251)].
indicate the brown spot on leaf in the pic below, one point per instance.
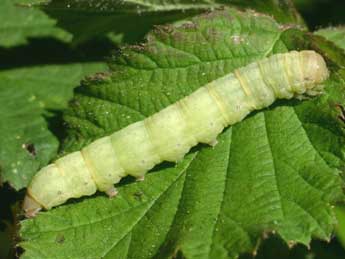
[(60, 239), (258, 14), (159, 29), (137, 48), (220, 11), (99, 77), (285, 27), (189, 25)]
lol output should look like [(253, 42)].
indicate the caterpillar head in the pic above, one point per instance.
[(315, 71), (30, 206)]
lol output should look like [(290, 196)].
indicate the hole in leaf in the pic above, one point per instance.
[(30, 148)]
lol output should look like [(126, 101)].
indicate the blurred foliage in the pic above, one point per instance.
[(131, 20), (334, 34), (321, 13), (20, 22), (340, 229)]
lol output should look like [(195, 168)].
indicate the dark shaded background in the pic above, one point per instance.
[(321, 13)]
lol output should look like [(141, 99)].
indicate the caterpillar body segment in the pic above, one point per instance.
[(169, 134)]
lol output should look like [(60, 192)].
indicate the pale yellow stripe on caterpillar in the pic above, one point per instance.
[(239, 78), (219, 102), (34, 201), (294, 70), (302, 68), (294, 73), (77, 176), (262, 94), (251, 99), (71, 178), (261, 65), (90, 168), (285, 88), (134, 149), (170, 133), (107, 171), (204, 116), (235, 100), (271, 70), (149, 136), (184, 113), (289, 76)]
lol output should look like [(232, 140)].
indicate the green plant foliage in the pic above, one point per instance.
[(334, 34), (337, 36), (132, 19), (277, 171), (20, 21), (25, 95)]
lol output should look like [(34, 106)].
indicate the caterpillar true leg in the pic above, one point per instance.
[(169, 134)]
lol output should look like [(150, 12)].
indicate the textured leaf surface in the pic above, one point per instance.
[(275, 171), (337, 36), (20, 21), (334, 34), (134, 18), (26, 144)]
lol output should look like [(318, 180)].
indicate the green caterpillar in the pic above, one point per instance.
[(169, 134)]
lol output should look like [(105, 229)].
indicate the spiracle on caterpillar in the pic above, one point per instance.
[(169, 134)]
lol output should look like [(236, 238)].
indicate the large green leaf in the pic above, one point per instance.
[(334, 34), (20, 21), (26, 143), (134, 18), (337, 36), (278, 170)]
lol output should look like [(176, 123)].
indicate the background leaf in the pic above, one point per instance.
[(26, 94), (334, 34), (337, 36), (20, 21), (321, 13), (277, 171), (133, 19)]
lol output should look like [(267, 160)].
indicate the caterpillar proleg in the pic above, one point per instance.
[(169, 134)]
